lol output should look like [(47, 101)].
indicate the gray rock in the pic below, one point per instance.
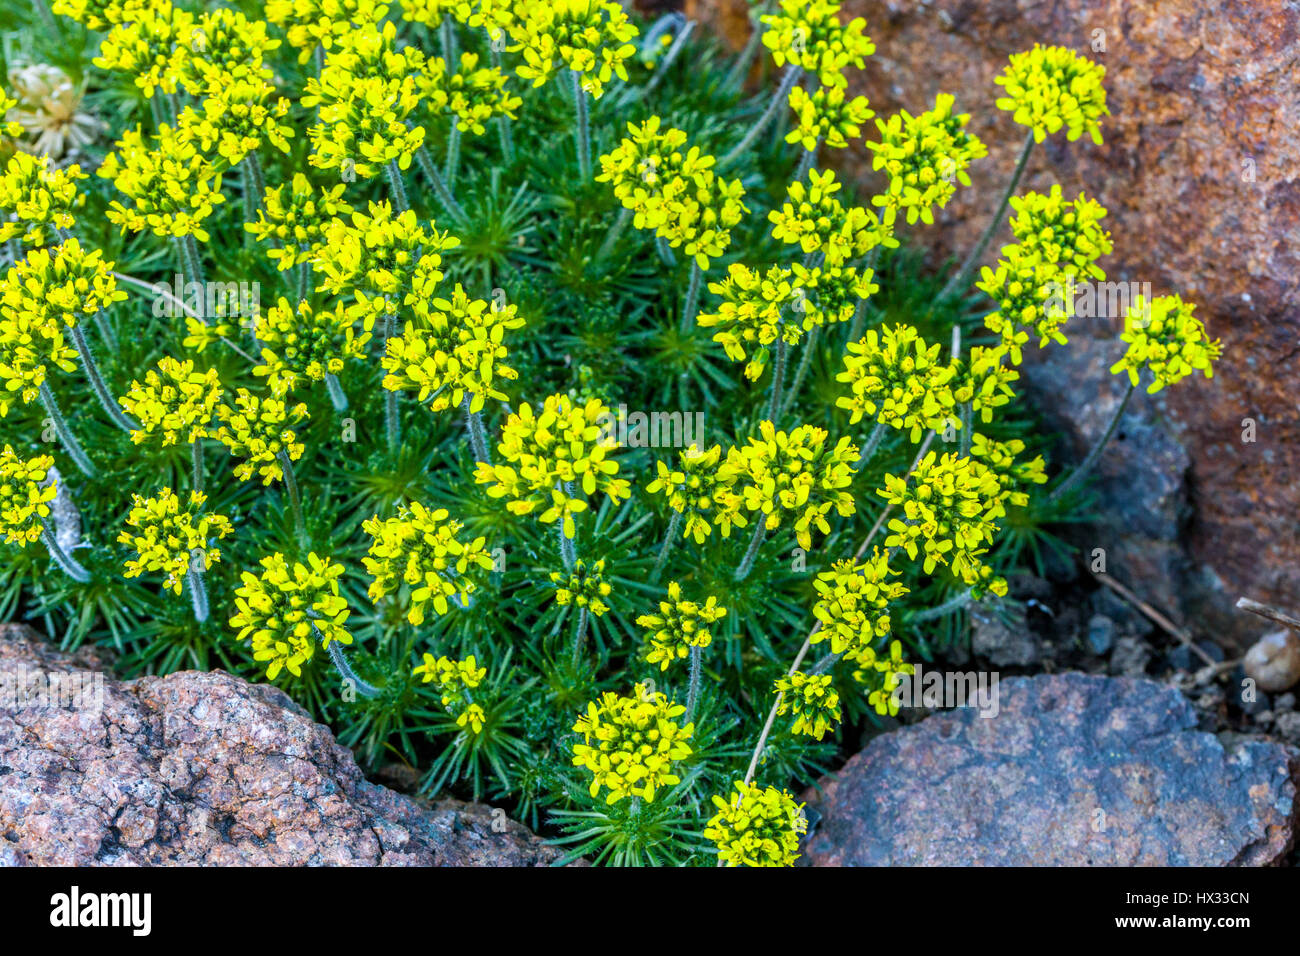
[(1130, 658), (205, 768), (999, 634), (1100, 635), (1075, 770)]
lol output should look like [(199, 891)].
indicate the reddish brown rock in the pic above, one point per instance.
[(1201, 173), (1074, 770), (199, 768)]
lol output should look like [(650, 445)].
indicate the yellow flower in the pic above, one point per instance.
[(39, 197), (752, 316), (673, 190), (293, 219), (889, 670), (1013, 477), (949, 509), (422, 549), (471, 94), (8, 127), (697, 491), (61, 287), (925, 157), (302, 344), (1065, 233), (168, 537), (984, 381), (261, 430), (757, 827), (30, 344), (98, 14), (454, 348), (172, 187), (1164, 337), (312, 23), (386, 261), (287, 608), (630, 744), (546, 453), (147, 47), (583, 587), (812, 701), (814, 219), (25, 494), (808, 34), (853, 603), (794, 474), (1031, 296), (365, 93), (832, 293), (174, 402), (827, 116), (896, 379), (679, 626), (590, 37), (1053, 87), (235, 118), (223, 47), (455, 679)]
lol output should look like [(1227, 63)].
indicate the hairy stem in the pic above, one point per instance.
[(453, 154), (198, 594), (873, 442), (336, 393), (674, 525), (580, 638), (583, 126), (345, 669), (616, 230), (477, 435), (64, 560), (964, 273), (396, 187), (692, 304), (805, 162), (196, 464), (778, 379), (751, 553), (295, 499), (801, 373), (430, 170), (69, 440), (693, 693), (788, 80), (392, 420), (97, 381), (1094, 453)]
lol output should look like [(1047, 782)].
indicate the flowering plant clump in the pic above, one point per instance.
[(631, 745), (757, 827), (464, 411)]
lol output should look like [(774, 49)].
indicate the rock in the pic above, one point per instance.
[(1075, 770), (1100, 634), (1285, 702), (1200, 171), (1287, 726), (1003, 643), (205, 768), (1273, 662)]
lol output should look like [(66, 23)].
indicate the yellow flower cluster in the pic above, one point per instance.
[(224, 47), (812, 701), (172, 187), (751, 314), (853, 604), (674, 190), (1031, 296), (1013, 476), (293, 223), (25, 495), (832, 293), (814, 218), (175, 402), (590, 37), (757, 827), (984, 381), (284, 609), (146, 46), (1164, 337), (365, 93), (583, 587), (30, 345), (698, 491), (472, 94), (303, 344), (236, 118), (888, 670), (1051, 87), (925, 157), (168, 537), (260, 430), (679, 626), (61, 287), (455, 680), (39, 197), (896, 379), (808, 34), (794, 473), (630, 744), (546, 453), (421, 549), (8, 127), (98, 14), (384, 260), (312, 23), (949, 509), (454, 349), (1062, 232), (827, 116)]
